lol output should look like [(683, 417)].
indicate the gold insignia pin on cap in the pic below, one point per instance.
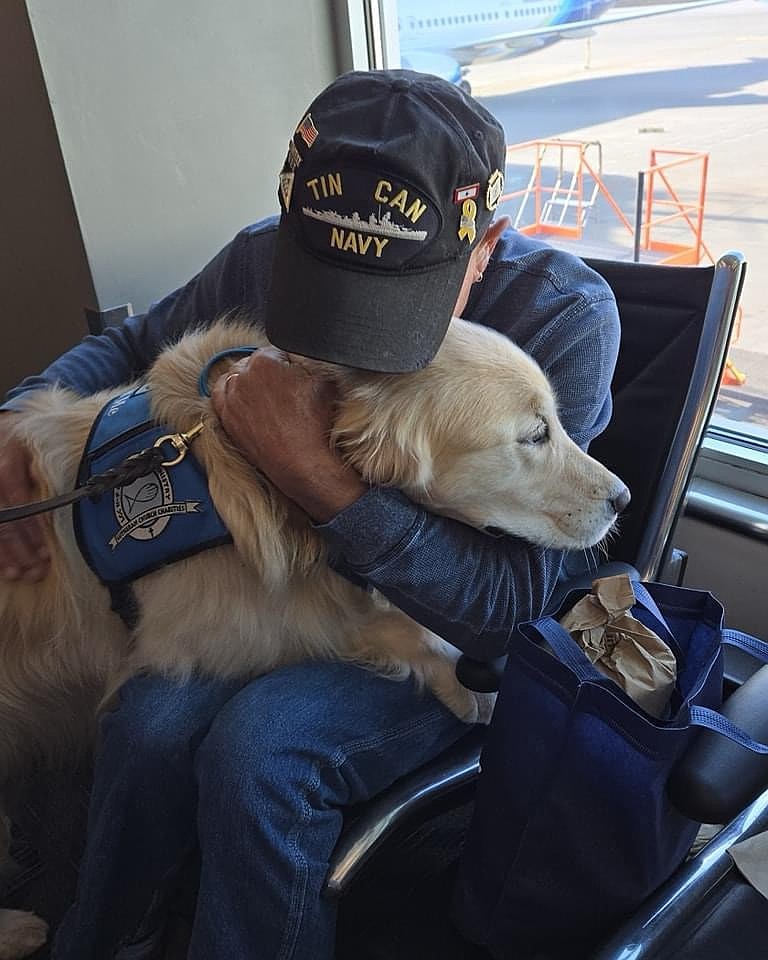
[(294, 157), (286, 188), (494, 190)]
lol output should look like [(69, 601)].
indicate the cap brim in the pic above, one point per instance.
[(393, 322)]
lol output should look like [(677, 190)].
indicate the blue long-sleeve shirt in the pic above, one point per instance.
[(466, 586)]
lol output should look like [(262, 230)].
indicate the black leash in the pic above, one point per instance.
[(132, 468), (136, 465)]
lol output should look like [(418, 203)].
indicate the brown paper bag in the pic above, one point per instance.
[(751, 858), (620, 646)]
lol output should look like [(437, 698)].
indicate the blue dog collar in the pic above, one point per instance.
[(202, 383)]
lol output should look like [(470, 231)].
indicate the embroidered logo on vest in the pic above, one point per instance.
[(144, 507), (161, 517)]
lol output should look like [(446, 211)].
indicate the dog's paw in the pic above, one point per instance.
[(467, 705), (478, 707), (21, 933)]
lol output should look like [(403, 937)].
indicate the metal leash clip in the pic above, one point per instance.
[(180, 443)]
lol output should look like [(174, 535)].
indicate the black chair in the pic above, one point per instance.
[(676, 322), (708, 910), (675, 326)]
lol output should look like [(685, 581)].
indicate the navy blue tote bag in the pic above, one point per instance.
[(572, 827)]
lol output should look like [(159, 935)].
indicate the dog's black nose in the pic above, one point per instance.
[(621, 500)]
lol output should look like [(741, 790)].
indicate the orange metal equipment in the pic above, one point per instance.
[(575, 181), (684, 216), (676, 213), (566, 180)]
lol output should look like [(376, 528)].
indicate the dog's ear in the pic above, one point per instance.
[(388, 443)]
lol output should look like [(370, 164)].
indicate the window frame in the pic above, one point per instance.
[(729, 466)]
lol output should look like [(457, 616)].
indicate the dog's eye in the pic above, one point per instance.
[(539, 435)]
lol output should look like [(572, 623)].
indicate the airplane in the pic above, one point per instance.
[(445, 37)]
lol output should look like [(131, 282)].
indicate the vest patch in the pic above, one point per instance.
[(165, 516)]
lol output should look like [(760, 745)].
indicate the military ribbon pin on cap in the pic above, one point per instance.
[(467, 225), (466, 197)]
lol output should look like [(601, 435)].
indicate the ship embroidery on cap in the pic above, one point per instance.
[(366, 215), (382, 225)]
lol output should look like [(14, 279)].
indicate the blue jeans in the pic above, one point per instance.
[(259, 775)]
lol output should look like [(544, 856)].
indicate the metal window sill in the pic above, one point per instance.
[(724, 506)]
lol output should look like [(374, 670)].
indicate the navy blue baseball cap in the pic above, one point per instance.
[(390, 181)]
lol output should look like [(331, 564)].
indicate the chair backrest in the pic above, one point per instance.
[(676, 323), (675, 326)]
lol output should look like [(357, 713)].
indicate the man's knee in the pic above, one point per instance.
[(267, 733), (159, 720), (249, 732)]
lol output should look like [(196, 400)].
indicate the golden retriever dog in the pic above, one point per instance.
[(475, 436)]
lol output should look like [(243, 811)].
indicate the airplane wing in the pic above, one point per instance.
[(500, 41)]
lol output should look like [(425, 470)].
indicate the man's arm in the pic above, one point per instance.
[(238, 275), (466, 586)]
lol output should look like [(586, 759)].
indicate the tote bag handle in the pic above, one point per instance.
[(572, 656), (744, 641), (711, 719), (733, 638)]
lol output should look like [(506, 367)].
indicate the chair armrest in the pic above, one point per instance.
[(583, 580), (718, 778), (364, 833), (482, 676), (674, 908)]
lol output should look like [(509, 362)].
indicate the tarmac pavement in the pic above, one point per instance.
[(693, 81)]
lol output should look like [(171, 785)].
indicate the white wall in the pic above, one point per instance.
[(173, 119)]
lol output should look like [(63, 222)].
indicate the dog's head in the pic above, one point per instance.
[(476, 436)]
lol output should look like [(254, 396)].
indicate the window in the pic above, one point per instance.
[(683, 98)]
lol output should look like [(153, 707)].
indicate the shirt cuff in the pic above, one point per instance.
[(374, 529)]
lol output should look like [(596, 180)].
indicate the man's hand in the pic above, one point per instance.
[(279, 416), (23, 553)]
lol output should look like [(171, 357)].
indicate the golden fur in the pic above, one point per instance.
[(465, 437)]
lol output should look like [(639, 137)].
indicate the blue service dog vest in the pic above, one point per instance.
[(164, 516)]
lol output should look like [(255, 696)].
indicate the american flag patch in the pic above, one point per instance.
[(460, 194), (307, 130)]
